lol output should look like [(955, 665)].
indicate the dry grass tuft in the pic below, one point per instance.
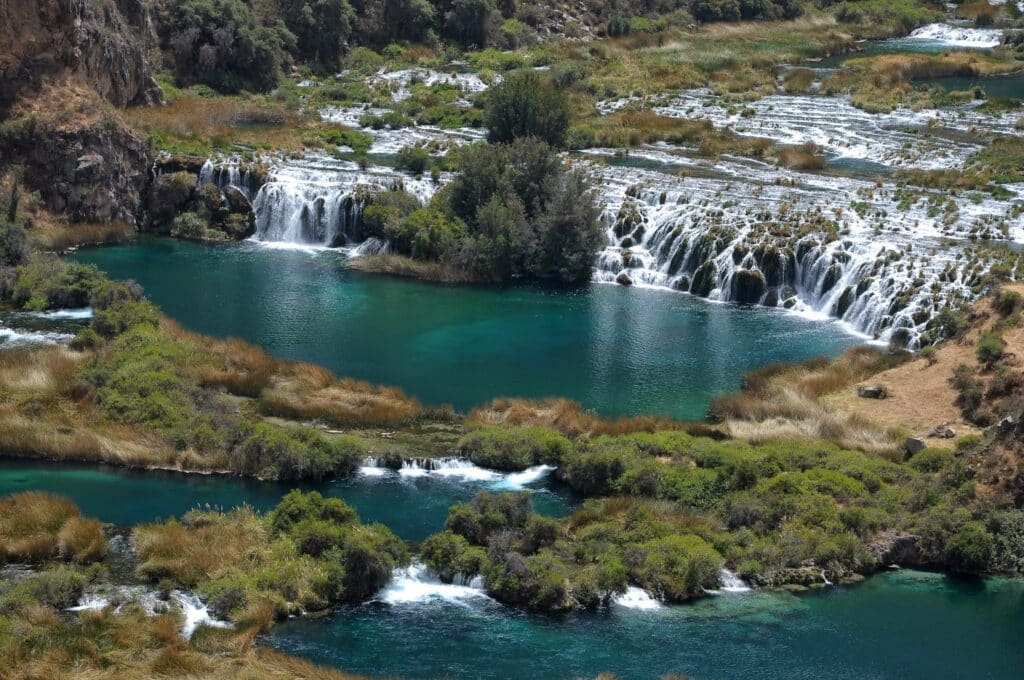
[(36, 526), (566, 416), (782, 402), (188, 554)]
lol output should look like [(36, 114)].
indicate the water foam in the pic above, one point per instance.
[(415, 584)]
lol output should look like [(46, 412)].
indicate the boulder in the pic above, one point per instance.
[(168, 195), (747, 286), (915, 445), (872, 392), (895, 547), (623, 279), (942, 432), (704, 279)]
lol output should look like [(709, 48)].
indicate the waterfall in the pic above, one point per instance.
[(824, 579), (228, 174), (731, 583), (192, 608), (636, 598), (745, 232), (416, 585), (959, 36), (319, 201)]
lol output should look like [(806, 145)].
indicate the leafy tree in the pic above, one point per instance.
[(526, 105), (466, 21), (321, 28), (218, 43)]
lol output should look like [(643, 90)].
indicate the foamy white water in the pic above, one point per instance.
[(194, 611), (636, 598), (518, 480), (959, 36), (731, 583), (415, 584)]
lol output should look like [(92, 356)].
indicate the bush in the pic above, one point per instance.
[(677, 567), (1008, 301), (189, 225), (414, 159), (514, 448), (274, 452), (526, 105), (990, 349), (931, 460), (970, 548)]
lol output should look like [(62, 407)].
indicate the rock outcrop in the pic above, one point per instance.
[(102, 44), (85, 163)]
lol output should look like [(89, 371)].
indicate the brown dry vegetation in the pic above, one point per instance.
[(566, 416), (921, 392), (203, 124), (36, 526), (102, 645), (40, 417), (784, 402)]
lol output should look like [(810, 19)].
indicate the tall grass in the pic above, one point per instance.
[(36, 526), (568, 417), (781, 401)]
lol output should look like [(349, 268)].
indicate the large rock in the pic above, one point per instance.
[(895, 547), (704, 279), (915, 445), (872, 392), (747, 286), (168, 195)]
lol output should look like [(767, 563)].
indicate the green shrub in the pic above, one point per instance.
[(274, 452), (990, 349), (931, 460), (526, 105), (514, 449), (414, 159)]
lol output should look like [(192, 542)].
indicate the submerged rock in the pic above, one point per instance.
[(623, 279)]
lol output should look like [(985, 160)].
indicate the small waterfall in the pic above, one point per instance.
[(959, 36), (636, 598), (416, 585), (319, 202), (825, 580), (192, 608), (731, 583), (226, 174)]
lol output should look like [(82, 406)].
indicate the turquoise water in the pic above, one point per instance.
[(413, 508), (907, 626), (617, 350)]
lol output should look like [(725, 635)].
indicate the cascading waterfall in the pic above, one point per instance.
[(318, 201), (757, 234), (456, 468)]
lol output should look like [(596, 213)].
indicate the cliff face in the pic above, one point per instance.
[(63, 63), (101, 43)]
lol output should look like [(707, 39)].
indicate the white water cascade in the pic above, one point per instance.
[(318, 200), (457, 468), (193, 610), (725, 231), (731, 583), (959, 36), (636, 598), (416, 585)]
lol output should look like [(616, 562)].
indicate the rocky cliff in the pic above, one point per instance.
[(101, 43), (65, 67)]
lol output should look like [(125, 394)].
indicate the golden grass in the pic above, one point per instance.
[(197, 123), (62, 237), (783, 401), (129, 645), (343, 403), (804, 157), (37, 526), (189, 554), (566, 416), (399, 265)]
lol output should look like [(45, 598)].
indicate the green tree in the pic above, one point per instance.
[(321, 28), (526, 105)]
